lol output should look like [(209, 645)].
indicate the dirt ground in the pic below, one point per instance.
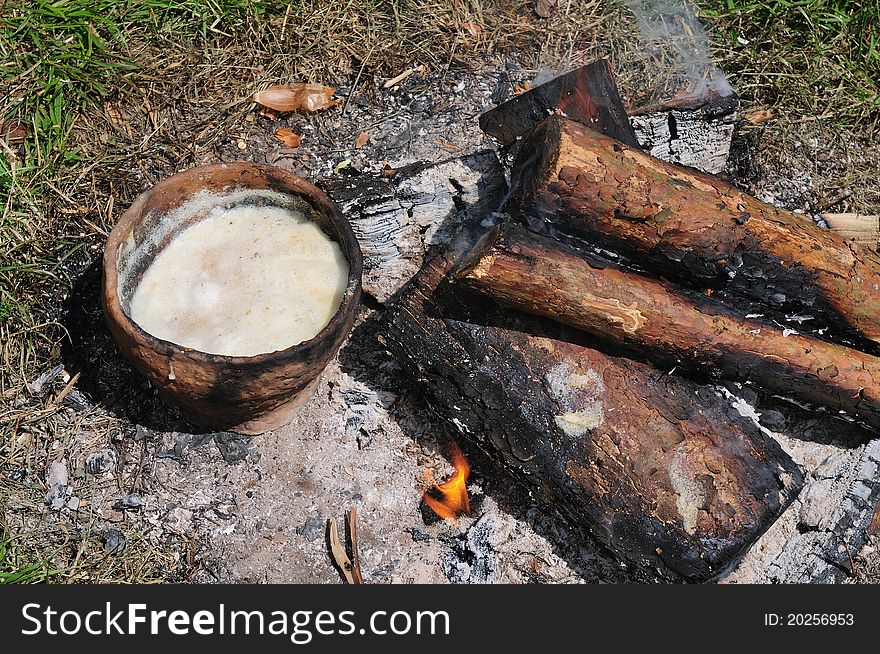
[(115, 487)]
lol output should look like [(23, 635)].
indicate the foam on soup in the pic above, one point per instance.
[(243, 281)]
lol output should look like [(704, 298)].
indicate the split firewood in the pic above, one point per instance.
[(356, 574), (694, 131), (587, 95), (864, 230), (350, 567), (668, 325), (663, 471), (695, 228)]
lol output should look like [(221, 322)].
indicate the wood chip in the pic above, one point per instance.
[(757, 116), (399, 78), (339, 554), (474, 28), (350, 570), (862, 229), (355, 557), (288, 137)]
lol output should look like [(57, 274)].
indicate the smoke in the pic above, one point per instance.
[(672, 26)]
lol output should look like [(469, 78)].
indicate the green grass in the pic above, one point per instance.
[(13, 571), (62, 56), (808, 59)]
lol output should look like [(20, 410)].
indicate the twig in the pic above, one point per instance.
[(833, 200), (284, 24), (355, 558), (60, 398), (339, 554), (356, 80), (399, 78)]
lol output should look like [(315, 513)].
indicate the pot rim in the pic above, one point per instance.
[(292, 184)]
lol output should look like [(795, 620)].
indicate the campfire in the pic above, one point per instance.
[(575, 334), (452, 501)]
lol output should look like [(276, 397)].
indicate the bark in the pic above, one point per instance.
[(695, 228), (662, 470), (668, 325)]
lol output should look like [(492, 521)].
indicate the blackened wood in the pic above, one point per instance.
[(695, 228), (668, 325), (587, 95), (663, 471), (694, 131), (397, 218)]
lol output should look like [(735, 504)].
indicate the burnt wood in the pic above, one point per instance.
[(668, 325), (665, 472), (587, 94), (695, 228)]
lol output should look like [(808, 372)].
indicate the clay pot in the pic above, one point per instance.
[(246, 394)]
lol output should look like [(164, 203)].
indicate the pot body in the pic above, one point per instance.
[(251, 394)]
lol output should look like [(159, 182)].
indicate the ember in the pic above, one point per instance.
[(453, 501)]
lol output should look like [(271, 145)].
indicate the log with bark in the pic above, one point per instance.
[(692, 130), (668, 325), (694, 228), (662, 470)]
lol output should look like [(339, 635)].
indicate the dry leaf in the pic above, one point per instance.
[(543, 8), (299, 97), (13, 132), (288, 137), (362, 139), (473, 28), (759, 116)]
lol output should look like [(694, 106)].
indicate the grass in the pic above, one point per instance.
[(808, 59), (116, 94), (14, 572)]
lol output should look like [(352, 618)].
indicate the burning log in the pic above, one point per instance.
[(663, 471), (696, 228), (397, 218), (667, 324)]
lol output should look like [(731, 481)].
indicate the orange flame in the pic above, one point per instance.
[(453, 493)]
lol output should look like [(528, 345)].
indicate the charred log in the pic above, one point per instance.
[(663, 471), (587, 95), (695, 228), (693, 131), (668, 325)]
